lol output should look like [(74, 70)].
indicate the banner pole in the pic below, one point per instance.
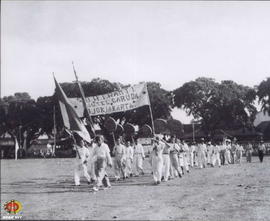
[(150, 110)]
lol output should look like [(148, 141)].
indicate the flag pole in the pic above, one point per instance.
[(150, 110), (84, 101)]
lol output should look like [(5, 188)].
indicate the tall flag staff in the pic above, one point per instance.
[(91, 124), (150, 110)]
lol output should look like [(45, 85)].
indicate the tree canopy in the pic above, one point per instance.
[(226, 105)]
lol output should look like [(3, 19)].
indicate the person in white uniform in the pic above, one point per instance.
[(157, 159), (91, 164), (119, 151), (101, 158), (174, 149), (82, 157), (191, 154), (138, 157), (166, 162), (129, 159), (216, 155), (201, 151), (185, 156), (227, 152)]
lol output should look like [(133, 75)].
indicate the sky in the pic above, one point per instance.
[(170, 42)]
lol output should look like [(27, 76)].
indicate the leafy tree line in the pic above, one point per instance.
[(225, 105)]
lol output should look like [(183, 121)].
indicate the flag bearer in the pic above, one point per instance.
[(129, 159), (82, 157), (119, 161), (102, 158), (138, 157)]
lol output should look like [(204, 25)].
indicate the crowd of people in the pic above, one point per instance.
[(169, 158)]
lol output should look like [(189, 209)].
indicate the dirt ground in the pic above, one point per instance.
[(46, 190)]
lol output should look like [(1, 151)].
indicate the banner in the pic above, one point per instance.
[(118, 101)]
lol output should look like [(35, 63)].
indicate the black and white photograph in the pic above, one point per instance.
[(135, 110)]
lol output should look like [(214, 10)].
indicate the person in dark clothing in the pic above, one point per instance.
[(261, 151)]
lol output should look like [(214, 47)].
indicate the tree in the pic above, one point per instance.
[(19, 117), (263, 92), (224, 105)]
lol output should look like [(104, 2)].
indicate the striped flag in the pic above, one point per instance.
[(70, 117)]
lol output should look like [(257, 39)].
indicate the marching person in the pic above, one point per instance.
[(239, 153), (227, 152), (174, 149), (102, 158), (216, 155), (166, 162), (191, 154), (201, 152), (261, 151), (119, 159), (181, 156), (129, 160), (185, 155), (138, 157), (82, 157), (249, 150), (157, 160), (233, 151), (222, 149), (91, 164), (209, 153)]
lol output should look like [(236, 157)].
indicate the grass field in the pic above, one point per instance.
[(45, 187)]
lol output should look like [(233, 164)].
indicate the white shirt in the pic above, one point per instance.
[(119, 151), (129, 152), (138, 149), (102, 152)]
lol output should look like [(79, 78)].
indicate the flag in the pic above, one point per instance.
[(90, 122), (16, 148), (70, 117)]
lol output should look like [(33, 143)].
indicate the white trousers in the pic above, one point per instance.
[(77, 173), (216, 159), (138, 161), (157, 164), (128, 166), (185, 161), (175, 169), (227, 157), (201, 159), (119, 168), (166, 166)]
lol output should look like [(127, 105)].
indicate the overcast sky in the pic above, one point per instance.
[(168, 42)]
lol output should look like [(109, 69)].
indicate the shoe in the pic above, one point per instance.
[(158, 182), (131, 175), (142, 173), (162, 178)]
